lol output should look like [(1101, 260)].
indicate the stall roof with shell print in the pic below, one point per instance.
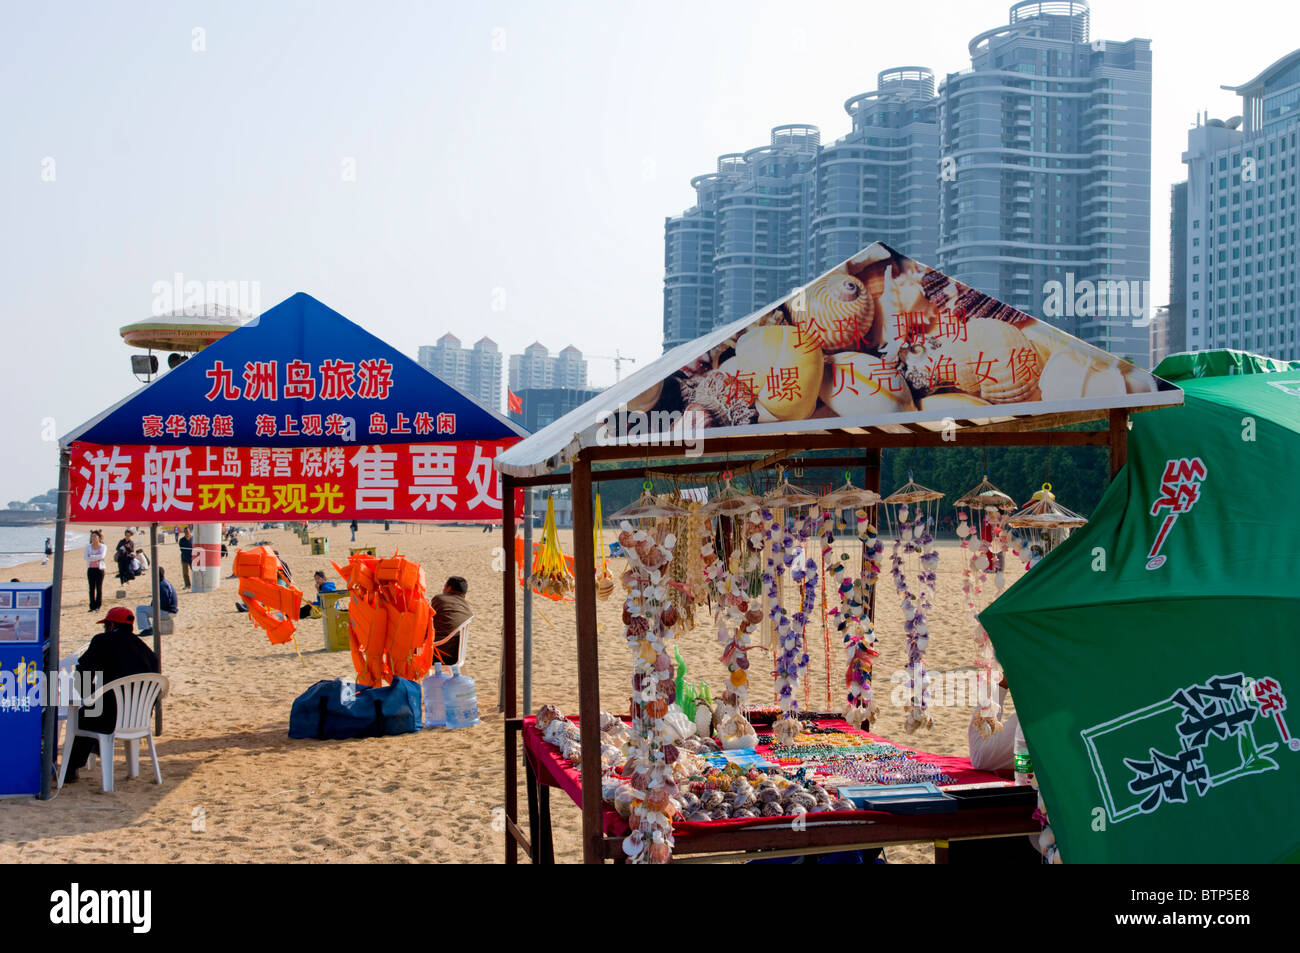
[(878, 344)]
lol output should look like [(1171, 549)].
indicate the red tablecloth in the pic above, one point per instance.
[(553, 771)]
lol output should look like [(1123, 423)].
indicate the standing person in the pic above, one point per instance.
[(49, 551), (187, 557), (354, 531), (114, 653), (96, 559), (168, 605), (123, 556), (450, 611)]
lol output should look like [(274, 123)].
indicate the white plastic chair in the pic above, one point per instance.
[(463, 631), (135, 696)]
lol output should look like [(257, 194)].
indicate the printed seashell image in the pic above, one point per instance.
[(907, 314), (834, 311), (1072, 374), (786, 373), (953, 403), (858, 385)]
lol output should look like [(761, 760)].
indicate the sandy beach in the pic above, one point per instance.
[(237, 789)]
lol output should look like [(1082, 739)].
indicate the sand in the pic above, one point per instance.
[(237, 789)]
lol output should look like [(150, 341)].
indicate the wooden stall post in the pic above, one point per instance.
[(1118, 440), (508, 662), (50, 716), (584, 597)]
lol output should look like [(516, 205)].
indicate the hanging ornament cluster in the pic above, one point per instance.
[(649, 617), (1042, 523), (736, 618), (787, 554), (604, 578), (913, 517), (550, 576), (852, 618), (981, 514)]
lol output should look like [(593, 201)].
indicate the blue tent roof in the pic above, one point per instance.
[(310, 377)]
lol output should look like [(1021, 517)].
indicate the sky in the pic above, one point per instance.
[(422, 167)]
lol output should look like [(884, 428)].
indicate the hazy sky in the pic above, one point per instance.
[(520, 153)]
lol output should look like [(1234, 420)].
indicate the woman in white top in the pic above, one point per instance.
[(96, 560)]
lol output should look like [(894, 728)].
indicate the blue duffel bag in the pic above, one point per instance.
[(326, 711)]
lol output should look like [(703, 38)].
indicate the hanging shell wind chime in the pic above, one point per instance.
[(649, 616), (981, 515), (852, 617), (736, 616), (1044, 524), (913, 518), (788, 553)]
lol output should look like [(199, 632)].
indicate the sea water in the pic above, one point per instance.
[(25, 544)]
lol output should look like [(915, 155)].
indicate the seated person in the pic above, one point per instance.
[(114, 653), (996, 752), (450, 612), (167, 604), (322, 585)]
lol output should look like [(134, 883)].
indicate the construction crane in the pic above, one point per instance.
[(618, 360)]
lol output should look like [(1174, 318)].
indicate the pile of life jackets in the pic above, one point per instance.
[(390, 621), (273, 601)]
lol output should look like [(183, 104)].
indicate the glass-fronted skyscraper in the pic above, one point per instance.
[(1045, 173), (1239, 259), (773, 218)]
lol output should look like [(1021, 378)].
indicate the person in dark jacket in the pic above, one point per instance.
[(124, 554), (167, 602), (187, 556), (115, 653), (450, 612)]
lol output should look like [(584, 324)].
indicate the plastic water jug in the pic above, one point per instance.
[(461, 699), (434, 688)]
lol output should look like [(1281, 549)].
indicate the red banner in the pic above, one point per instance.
[(446, 482)]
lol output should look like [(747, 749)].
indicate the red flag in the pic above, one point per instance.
[(514, 402)]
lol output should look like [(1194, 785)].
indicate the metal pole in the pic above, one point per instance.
[(50, 716), (508, 665), (528, 601), (155, 617)]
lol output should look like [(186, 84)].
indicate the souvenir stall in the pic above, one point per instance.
[(297, 415), (881, 352)]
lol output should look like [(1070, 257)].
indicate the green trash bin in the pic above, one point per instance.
[(320, 545), (335, 619)]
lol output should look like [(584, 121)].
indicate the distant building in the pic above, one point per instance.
[(1238, 264), (535, 368), (545, 405), (775, 217), (475, 372), (1045, 175)]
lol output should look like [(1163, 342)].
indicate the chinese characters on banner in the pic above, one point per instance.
[(409, 481)]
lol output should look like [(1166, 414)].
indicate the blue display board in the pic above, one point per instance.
[(24, 637)]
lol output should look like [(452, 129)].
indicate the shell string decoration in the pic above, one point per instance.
[(980, 515), (551, 576), (736, 618), (913, 536), (649, 616), (604, 578), (851, 618)]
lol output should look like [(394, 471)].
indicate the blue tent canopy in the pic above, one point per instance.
[(301, 375)]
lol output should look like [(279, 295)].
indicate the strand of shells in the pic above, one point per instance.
[(649, 617), (915, 538), (975, 573), (735, 616), (852, 621)]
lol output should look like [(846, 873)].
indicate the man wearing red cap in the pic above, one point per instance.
[(115, 653)]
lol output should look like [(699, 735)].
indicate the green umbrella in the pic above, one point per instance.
[(1152, 653)]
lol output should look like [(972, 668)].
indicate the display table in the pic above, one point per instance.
[(1007, 810)]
